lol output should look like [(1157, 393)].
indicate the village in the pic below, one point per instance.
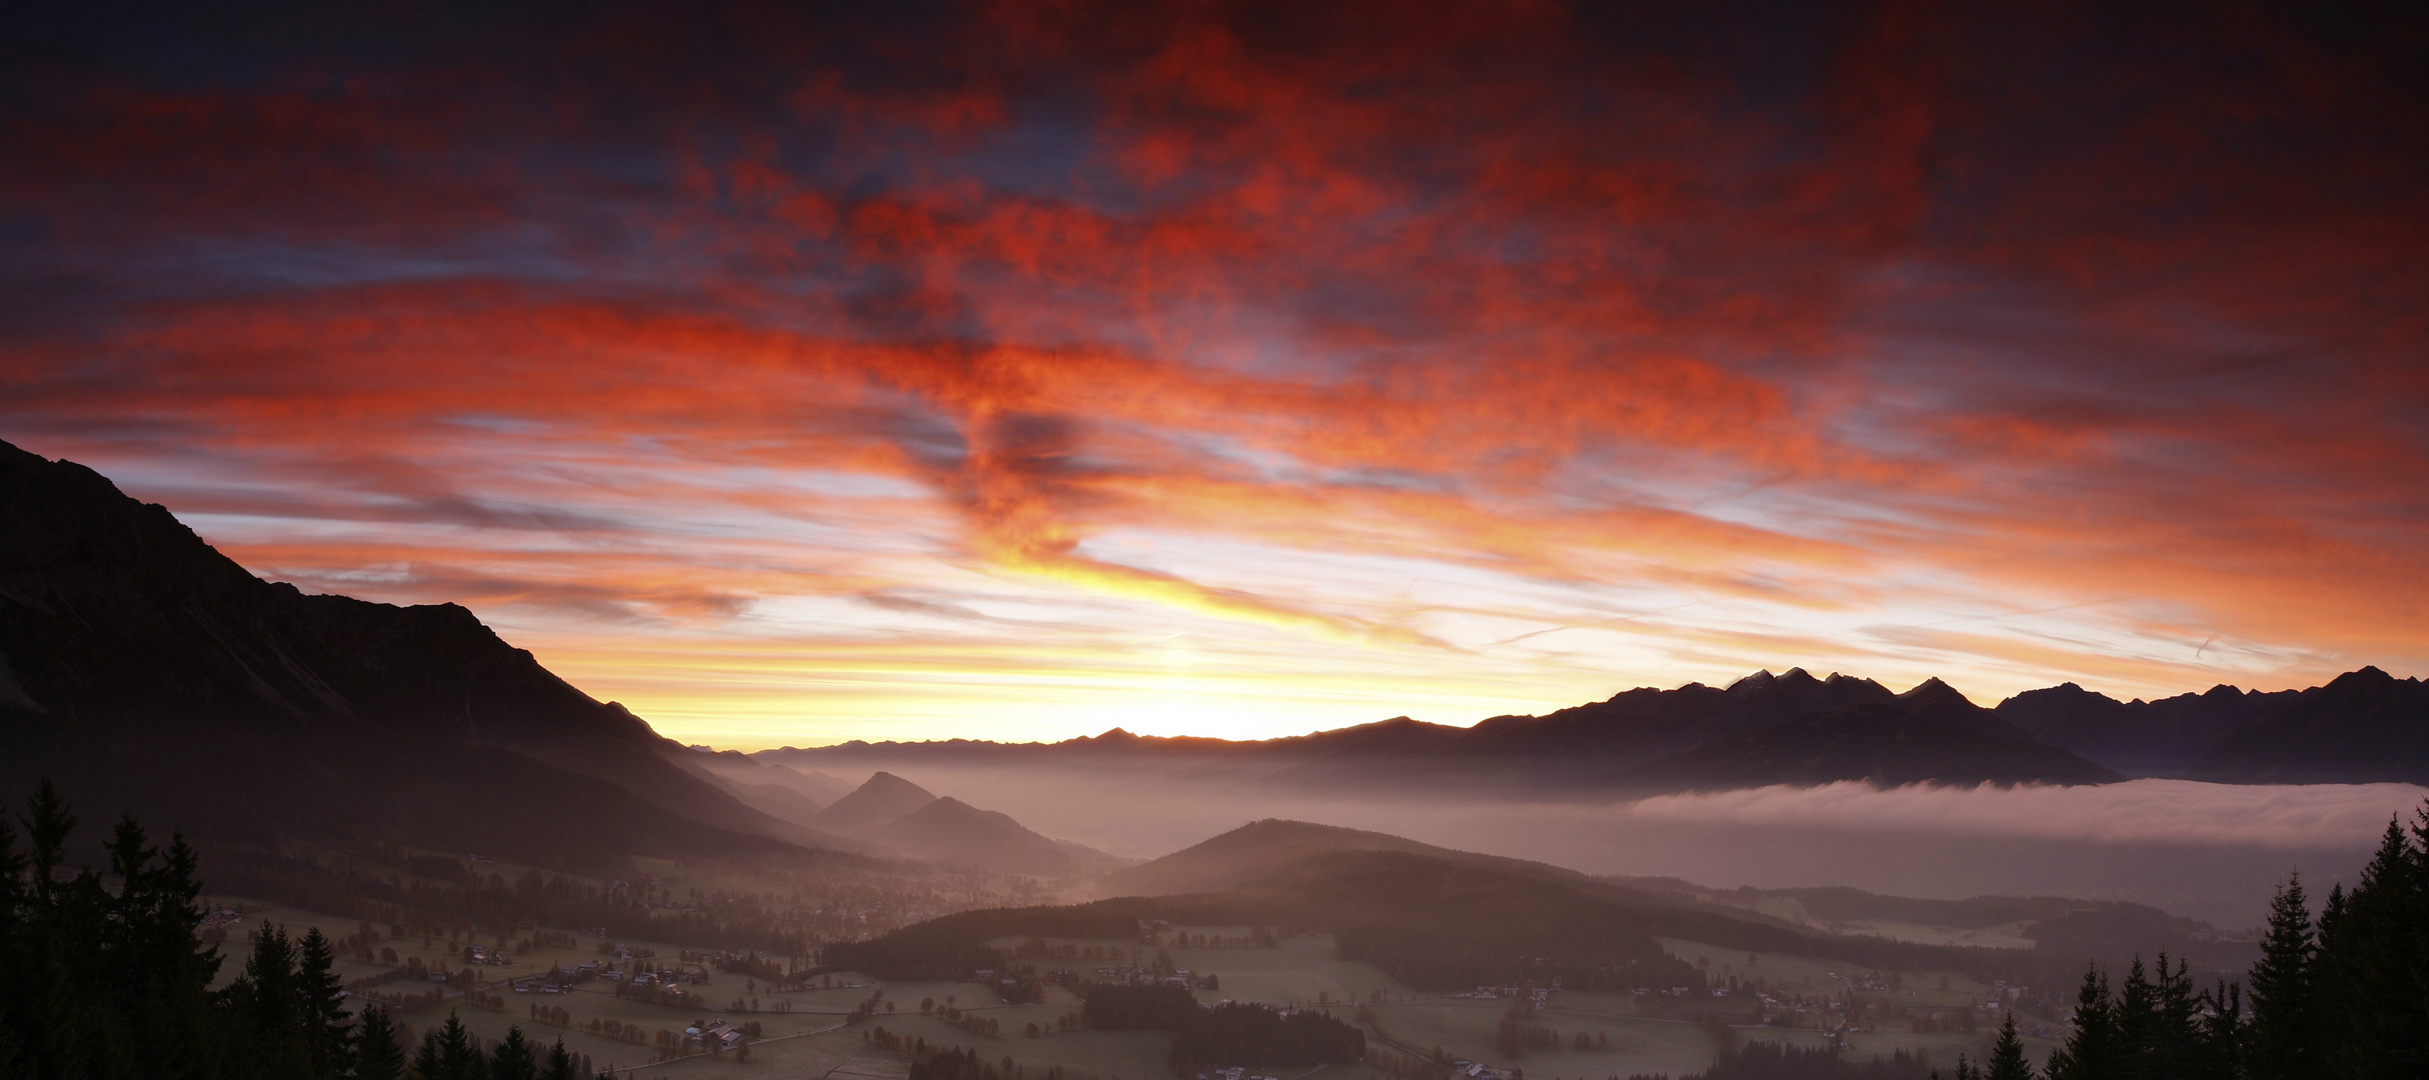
[(631, 1001)]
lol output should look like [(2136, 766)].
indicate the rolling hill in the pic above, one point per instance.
[(1261, 849)]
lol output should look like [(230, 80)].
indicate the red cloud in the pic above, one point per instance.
[(1820, 315)]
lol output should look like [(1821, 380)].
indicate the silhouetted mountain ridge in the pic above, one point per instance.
[(2364, 726), (147, 671), (1652, 740)]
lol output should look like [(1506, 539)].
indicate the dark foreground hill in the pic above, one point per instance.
[(146, 671)]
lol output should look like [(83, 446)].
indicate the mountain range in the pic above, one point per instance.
[(148, 672), (1792, 728)]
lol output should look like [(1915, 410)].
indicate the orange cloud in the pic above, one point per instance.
[(1413, 334)]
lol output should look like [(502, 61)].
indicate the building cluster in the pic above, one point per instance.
[(484, 955), (559, 978), (1181, 978), (1234, 1072), (1537, 994), (716, 1033)]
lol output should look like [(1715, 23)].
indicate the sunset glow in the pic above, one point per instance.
[(1021, 371)]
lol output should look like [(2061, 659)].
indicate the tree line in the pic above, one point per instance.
[(2343, 996), (1239, 1034), (1124, 1007), (109, 978)]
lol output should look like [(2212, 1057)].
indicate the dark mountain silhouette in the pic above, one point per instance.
[(1762, 729), (949, 830), (908, 819), (148, 672), (786, 793), (1930, 734), (1795, 728), (2362, 727), (2138, 738), (878, 800)]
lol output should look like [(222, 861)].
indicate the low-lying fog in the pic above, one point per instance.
[(2211, 851)]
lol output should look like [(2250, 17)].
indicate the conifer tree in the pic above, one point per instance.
[(268, 1001), (2280, 1043), (2352, 967), (458, 1060), (513, 1059), (154, 974), (2095, 1050), (54, 992), (428, 1062), (2007, 1055), (377, 1055), (560, 1064), (2222, 1033), (2385, 969), (321, 1005)]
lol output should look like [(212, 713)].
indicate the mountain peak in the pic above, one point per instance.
[(1762, 677), (1932, 695), (882, 798)]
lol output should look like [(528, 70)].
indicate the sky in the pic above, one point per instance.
[(797, 374)]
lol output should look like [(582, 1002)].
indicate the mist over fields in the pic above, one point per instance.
[(2210, 851)]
